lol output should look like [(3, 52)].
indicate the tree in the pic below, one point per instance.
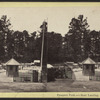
[(23, 46), (78, 30), (94, 37), (5, 36), (54, 47), (30, 50)]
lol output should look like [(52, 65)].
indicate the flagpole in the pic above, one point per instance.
[(41, 63)]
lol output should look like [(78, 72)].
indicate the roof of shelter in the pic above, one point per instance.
[(88, 61), (12, 62), (49, 66), (37, 61)]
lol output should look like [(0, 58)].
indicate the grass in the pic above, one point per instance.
[(73, 86), (22, 87), (60, 85)]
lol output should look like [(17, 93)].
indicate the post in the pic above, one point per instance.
[(44, 53)]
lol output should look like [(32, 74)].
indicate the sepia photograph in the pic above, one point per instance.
[(50, 49)]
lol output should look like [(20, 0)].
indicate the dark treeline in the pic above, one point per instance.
[(76, 45), (24, 46), (81, 42)]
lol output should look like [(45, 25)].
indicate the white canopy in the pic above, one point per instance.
[(49, 66), (36, 61)]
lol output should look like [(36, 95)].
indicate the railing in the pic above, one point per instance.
[(26, 77), (94, 78)]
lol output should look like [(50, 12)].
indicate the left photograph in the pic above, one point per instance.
[(24, 50)]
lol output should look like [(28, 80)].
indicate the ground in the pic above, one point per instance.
[(77, 84), (73, 86), (57, 86)]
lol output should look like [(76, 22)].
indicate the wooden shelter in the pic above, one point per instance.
[(12, 68), (88, 67), (50, 73)]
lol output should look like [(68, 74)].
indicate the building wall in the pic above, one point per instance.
[(89, 69), (12, 71)]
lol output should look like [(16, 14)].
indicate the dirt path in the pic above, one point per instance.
[(80, 77), (4, 78), (73, 86), (77, 73)]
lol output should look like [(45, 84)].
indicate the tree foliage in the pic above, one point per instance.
[(80, 41), (76, 45)]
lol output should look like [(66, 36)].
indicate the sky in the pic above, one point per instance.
[(58, 18)]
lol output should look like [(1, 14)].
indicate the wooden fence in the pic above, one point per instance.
[(96, 77), (27, 77)]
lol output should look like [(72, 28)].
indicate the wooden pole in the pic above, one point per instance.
[(44, 54)]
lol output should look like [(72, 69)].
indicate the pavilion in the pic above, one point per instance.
[(88, 67)]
